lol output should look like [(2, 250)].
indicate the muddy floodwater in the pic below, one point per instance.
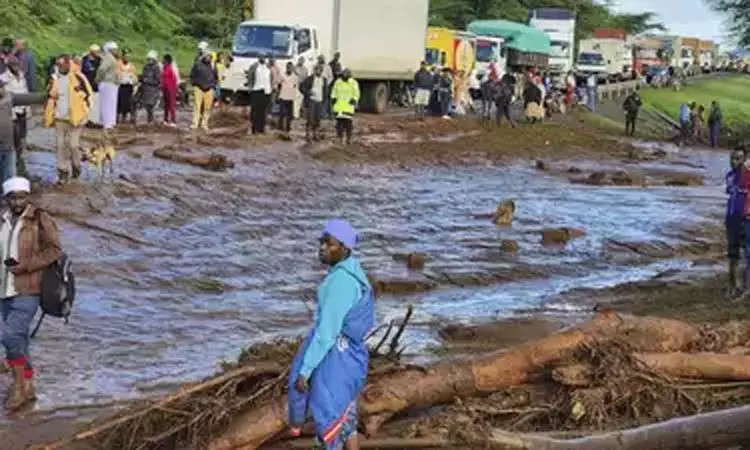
[(178, 267)]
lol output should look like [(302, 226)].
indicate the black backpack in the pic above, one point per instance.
[(58, 288)]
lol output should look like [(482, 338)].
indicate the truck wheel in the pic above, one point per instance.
[(378, 98)]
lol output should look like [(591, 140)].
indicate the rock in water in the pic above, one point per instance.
[(541, 165), (509, 246), (504, 213), (560, 236), (415, 261)]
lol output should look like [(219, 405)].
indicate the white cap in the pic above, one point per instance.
[(16, 184), (94, 48), (109, 46), (202, 45), (152, 54)]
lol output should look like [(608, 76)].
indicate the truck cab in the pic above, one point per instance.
[(490, 50), (560, 25), (254, 39), (592, 63)]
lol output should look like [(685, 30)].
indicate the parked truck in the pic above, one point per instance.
[(490, 50), (449, 48), (560, 25), (525, 46), (616, 50), (381, 42)]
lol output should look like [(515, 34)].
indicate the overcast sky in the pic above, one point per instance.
[(682, 17)]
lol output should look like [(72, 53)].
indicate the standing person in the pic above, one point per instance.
[(28, 64), (570, 89), (287, 96), (735, 222), (203, 79), (715, 117), (330, 368), (126, 79), (591, 85), (89, 68), (221, 70), (328, 76), (504, 100), (169, 87), (302, 73), (632, 105), (15, 84), (424, 83), (151, 85), (106, 76), (259, 82), (275, 84), (684, 123), (67, 110), (698, 121), (532, 102), (345, 96), (313, 89), (336, 68), (444, 92), (30, 243)]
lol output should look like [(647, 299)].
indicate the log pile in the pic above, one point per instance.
[(613, 372)]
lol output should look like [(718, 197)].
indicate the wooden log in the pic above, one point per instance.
[(444, 381), (213, 162), (719, 429), (702, 366)]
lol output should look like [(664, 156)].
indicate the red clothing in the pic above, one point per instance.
[(169, 79)]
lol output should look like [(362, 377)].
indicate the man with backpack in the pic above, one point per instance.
[(30, 244)]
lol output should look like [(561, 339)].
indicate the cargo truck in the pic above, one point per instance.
[(450, 48), (617, 54), (490, 51), (560, 25), (381, 42), (525, 46)]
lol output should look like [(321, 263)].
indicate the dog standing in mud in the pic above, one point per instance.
[(99, 155)]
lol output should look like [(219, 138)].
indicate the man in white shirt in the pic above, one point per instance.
[(591, 85), (259, 80), (15, 83), (287, 95), (314, 89)]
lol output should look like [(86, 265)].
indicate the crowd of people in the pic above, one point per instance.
[(694, 123)]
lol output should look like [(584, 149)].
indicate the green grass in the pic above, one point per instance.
[(70, 26), (732, 93)]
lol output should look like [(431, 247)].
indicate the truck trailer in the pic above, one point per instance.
[(381, 42), (617, 54), (560, 25)]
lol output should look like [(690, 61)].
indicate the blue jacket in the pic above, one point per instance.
[(736, 201), (334, 357)]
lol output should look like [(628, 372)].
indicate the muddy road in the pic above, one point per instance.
[(178, 267)]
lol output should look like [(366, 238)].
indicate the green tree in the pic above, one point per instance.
[(738, 13)]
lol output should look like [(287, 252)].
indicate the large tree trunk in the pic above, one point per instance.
[(445, 381), (715, 430), (704, 366)]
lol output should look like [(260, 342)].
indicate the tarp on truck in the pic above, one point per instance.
[(517, 36)]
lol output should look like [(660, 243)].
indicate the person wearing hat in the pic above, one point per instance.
[(330, 368), (203, 79), (345, 97), (30, 242), (70, 100), (106, 76), (150, 87), (126, 79)]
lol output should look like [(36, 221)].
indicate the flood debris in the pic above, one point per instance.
[(213, 162), (509, 246), (560, 236), (504, 213)]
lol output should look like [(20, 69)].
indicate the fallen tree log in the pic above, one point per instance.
[(213, 162), (445, 381), (708, 431), (704, 366)]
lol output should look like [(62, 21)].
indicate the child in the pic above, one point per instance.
[(736, 180)]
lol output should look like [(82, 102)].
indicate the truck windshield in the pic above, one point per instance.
[(560, 49), (486, 50), (258, 40), (592, 59)]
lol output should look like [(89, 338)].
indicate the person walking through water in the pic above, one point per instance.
[(126, 78), (67, 110), (106, 76), (345, 96), (30, 242), (259, 83), (170, 81), (632, 105), (330, 368), (150, 88), (15, 83), (738, 239), (203, 79), (89, 67), (715, 117), (504, 100)]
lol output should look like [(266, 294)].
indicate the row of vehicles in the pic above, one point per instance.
[(383, 41)]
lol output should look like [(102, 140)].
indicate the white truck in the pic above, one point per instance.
[(381, 42), (617, 55), (560, 25), (490, 50), (591, 63)]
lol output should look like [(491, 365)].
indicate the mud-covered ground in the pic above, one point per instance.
[(179, 267)]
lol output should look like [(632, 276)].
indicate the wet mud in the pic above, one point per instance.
[(179, 266)]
